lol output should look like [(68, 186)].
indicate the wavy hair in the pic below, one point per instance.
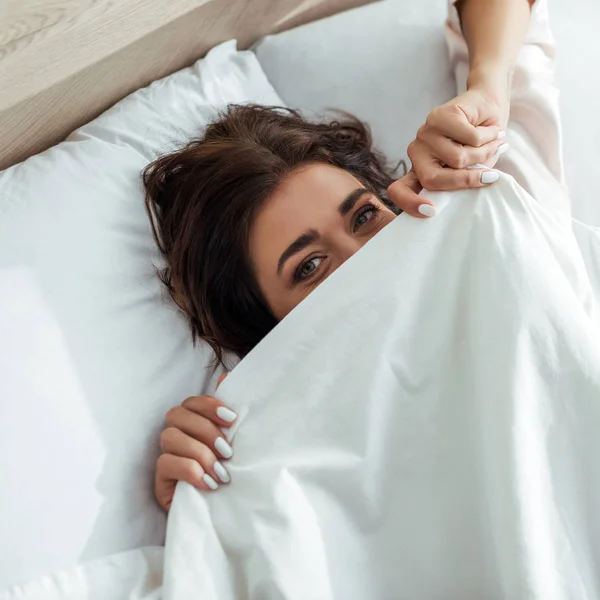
[(202, 200)]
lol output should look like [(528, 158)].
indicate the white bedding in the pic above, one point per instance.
[(578, 78), (133, 575), (424, 425), (466, 491), (92, 355)]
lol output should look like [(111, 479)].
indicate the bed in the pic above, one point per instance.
[(91, 352)]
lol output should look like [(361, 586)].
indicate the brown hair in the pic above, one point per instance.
[(202, 200)]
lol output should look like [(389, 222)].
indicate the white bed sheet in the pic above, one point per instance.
[(424, 425), (133, 575)]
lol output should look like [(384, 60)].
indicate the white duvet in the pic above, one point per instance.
[(423, 426)]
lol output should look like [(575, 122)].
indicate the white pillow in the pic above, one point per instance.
[(92, 354), (386, 62)]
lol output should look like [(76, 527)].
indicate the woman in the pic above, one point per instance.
[(260, 210)]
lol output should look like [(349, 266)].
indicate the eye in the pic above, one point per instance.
[(364, 215), (307, 268)]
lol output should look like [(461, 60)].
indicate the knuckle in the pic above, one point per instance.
[(197, 404), (393, 186), (412, 147), (161, 465), (207, 434), (394, 192), (472, 179), (190, 469), (459, 159), (428, 181), (435, 115), (490, 155), (166, 438), (206, 457), (172, 415), (453, 110), (478, 139), (190, 402), (422, 130), (464, 159)]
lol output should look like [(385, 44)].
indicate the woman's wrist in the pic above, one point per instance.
[(493, 78)]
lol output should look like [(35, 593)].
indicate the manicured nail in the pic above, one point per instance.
[(501, 134), (490, 176), (223, 448), (427, 210), (221, 472), (210, 482), (477, 166), (502, 149), (226, 414)]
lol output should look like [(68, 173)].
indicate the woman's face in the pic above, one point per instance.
[(316, 219)]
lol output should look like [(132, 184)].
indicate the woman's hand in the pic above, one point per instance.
[(456, 148), (465, 131), (193, 447)]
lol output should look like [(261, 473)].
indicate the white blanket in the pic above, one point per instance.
[(423, 426), (133, 575)]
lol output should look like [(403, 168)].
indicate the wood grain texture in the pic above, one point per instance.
[(63, 62)]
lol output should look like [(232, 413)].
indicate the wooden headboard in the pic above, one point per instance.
[(63, 62)]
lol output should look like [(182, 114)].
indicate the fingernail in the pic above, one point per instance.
[(223, 448), (501, 134), (427, 210), (477, 166), (226, 414), (221, 472), (502, 149), (210, 482), (490, 176)]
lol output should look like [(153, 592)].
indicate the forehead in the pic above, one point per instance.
[(308, 199), (307, 194), (319, 179)]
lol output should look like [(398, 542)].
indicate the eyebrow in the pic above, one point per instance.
[(351, 199), (306, 239)]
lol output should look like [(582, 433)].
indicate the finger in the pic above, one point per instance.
[(458, 156), (412, 181), (433, 176), (200, 428), (212, 409), (174, 441), (445, 178), (164, 486), (451, 121), (404, 194), (170, 469)]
